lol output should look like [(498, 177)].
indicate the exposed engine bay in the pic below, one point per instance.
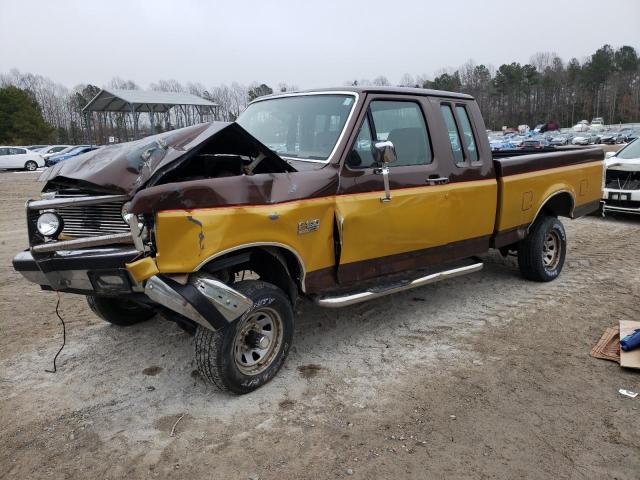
[(622, 180)]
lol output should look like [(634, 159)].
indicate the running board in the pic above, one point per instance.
[(383, 290)]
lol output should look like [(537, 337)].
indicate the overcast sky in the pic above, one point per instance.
[(309, 44)]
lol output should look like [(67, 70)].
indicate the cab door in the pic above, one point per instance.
[(443, 192), (380, 235)]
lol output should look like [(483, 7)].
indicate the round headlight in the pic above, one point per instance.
[(49, 224)]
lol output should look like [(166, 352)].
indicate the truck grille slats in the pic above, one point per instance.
[(93, 220)]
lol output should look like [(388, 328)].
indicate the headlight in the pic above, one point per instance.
[(49, 224)]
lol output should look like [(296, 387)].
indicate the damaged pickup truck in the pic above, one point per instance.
[(339, 196)]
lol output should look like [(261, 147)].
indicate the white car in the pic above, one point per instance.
[(622, 180), (53, 150), (581, 126), (597, 123), (17, 157)]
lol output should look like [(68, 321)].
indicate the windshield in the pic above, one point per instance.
[(631, 151), (304, 127)]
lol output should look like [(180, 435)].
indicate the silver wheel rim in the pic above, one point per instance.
[(257, 341), (31, 166), (551, 250)]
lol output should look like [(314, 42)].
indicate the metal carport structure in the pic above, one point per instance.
[(135, 102)]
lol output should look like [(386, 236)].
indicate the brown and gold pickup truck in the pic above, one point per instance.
[(339, 195)]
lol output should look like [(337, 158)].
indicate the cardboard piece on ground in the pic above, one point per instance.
[(608, 347), (629, 359)]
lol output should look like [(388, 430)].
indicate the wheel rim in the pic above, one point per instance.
[(551, 250), (31, 166), (257, 341)]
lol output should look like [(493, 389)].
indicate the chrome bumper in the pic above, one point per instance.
[(204, 300), (610, 208)]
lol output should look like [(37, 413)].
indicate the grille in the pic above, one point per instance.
[(93, 220)]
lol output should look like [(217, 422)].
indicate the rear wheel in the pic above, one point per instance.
[(248, 353), (119, 312), (542, 253), (31, 166)]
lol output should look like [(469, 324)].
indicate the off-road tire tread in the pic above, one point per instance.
[(209, 343)]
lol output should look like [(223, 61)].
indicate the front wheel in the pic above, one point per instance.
[(31, 166), (248, 353), (541, 254), (119, 312)]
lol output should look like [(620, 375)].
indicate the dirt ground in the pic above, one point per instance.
[(485, 376)]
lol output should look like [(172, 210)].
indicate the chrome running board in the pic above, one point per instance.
[(381, 291)]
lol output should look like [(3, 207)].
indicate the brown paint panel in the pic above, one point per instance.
[(509, 237), (376, 267), (544, 161)]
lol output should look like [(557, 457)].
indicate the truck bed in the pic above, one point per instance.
[(567, 181)]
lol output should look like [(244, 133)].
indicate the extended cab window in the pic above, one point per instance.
[(454, 136), (467, 133)]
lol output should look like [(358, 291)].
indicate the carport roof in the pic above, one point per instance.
[(113, 100)]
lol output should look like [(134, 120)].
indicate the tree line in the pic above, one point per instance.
[(604, 84)]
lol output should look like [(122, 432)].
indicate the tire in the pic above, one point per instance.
[(227, 358), (122, 313), (541, 254), (31, 166)]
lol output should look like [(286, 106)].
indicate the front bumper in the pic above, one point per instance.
[(89, 271), (623, 201), (101, 271)]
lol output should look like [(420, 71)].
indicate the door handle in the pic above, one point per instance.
[(434, 180)]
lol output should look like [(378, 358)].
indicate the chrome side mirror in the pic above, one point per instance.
[(386, 152), (609, 155)]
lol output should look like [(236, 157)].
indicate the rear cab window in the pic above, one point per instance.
[(464, 145), (467, 134), (454, 136)]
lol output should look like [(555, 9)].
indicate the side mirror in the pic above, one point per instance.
[(609, 155), (386, 152)]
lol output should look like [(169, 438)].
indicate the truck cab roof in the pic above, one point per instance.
[(426, 92)]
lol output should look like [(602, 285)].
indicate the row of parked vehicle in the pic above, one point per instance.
[(32, 157), (539, 141)]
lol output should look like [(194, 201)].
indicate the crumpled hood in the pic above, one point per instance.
[(626, 165), (126, 167)]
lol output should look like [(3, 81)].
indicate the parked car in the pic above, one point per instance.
[(581, 126), (628, 135), (622, 180), (587, 138), (611, 138), (559, 140), (534, 144), (73, 152), (174, 222), (597, 123), (35, 148), (51, 150), (20, 158)]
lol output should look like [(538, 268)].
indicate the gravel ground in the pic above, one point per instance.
[(484, 376)]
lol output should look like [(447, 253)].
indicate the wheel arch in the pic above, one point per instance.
[(560, 203), (284, 264)]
